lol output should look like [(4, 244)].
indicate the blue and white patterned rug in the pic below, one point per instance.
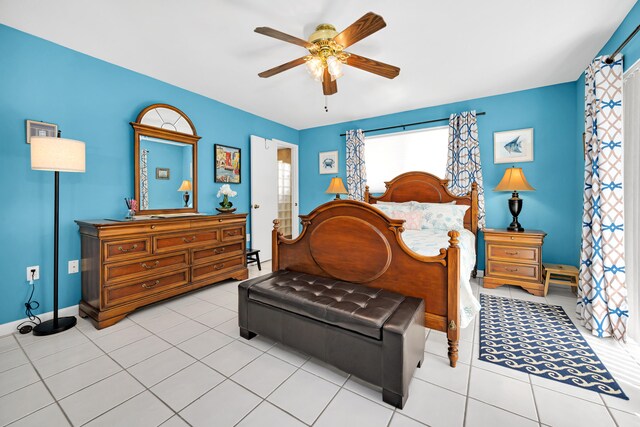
[(540, 339)]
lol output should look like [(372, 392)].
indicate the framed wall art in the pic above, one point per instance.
[(513, 146), (227, 164), (328, 162), (163, 173), (35, 128)]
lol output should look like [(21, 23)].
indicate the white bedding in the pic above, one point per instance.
[(429, 242)]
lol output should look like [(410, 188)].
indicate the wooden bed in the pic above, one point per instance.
[(355, 242)]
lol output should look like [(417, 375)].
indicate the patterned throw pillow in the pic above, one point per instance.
[(388, 207), (442, 216), (413, 219)]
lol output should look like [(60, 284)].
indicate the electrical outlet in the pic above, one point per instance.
[(248, 237), (36, 272), (73, 266)]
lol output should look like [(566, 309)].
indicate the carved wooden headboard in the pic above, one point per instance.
[(426, 188)]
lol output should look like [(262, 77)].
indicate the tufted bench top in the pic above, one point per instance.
[(350, 306)]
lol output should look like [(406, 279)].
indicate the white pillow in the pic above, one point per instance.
[(388, 207), (443, 216)]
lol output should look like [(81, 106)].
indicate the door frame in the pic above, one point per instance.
[(295, 208)]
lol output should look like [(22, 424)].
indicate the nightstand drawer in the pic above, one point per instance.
[(508, 269), (515, 253)]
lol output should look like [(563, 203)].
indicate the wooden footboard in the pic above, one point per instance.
[(355, 242)]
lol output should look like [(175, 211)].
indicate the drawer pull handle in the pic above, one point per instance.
[(144, 285), (149, 267), (218, 266), (187, 240), (218, 251), (513, 270), (512, 253), (231, 233), (153, 227), (132, 248)]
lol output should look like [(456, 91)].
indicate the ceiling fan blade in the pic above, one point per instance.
[(363, 27), (282, 36), (283, 67), (373, 66), (329, 87)]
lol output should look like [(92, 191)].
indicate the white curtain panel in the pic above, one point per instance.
[(356, 170), (632, 194), (602, 293), (463, 159)]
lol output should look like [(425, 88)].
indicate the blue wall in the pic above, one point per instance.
[(92, 101), (555, 205)]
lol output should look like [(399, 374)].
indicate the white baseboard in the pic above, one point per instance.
[(10, 328)]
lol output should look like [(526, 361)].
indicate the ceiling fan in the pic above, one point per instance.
[(327, 54)]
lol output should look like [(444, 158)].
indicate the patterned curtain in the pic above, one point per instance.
[(144, 180), (602, 295), (356, 170), (463, 159)]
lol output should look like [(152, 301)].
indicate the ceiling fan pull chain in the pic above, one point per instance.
[(326, 102)]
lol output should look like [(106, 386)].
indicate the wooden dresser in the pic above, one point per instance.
[(514, 258), (126, 265)]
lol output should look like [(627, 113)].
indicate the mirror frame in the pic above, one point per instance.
[(171, 135)]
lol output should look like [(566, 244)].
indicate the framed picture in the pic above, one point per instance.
[(328, 162), (163, 173), (513, 146), (35, 128), (227, 164)]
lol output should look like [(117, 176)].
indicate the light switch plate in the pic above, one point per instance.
[(73, 266)]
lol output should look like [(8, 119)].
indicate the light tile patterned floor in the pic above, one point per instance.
[(182, 363)]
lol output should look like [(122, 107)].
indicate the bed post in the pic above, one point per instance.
[(474, 223), (275, 234), (453, 297), (366, 194)]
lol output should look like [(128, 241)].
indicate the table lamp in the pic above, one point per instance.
[(514, 180), (186, 187), (336, 187), (58, 155)]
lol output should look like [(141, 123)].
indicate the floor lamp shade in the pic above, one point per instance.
[(57, 155)]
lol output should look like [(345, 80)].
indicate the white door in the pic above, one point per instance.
[(264, 193), (295, 229)]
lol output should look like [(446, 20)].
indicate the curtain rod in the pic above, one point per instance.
[(411, 124), (609, 60)]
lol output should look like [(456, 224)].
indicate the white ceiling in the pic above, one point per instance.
[(447, 50)]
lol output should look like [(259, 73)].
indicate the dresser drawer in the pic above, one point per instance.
[(212, 254), (145, 266), (514, 253), (231, 233), (126, 292), (123, 249), (507, 269), (170, 242), (203, 271)]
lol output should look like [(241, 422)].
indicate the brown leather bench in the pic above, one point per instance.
[(372, 333)]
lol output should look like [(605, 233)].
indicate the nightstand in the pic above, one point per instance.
[(514, 258)]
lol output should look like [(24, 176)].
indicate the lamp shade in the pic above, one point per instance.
[(185, 186), (514, 180), (57, 154), (336, 186)]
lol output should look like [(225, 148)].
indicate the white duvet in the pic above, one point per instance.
[(429, 243)]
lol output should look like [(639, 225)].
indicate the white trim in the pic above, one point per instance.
[(10, 328), (631, 71)]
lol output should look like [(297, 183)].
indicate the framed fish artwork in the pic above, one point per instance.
[(513, 146)]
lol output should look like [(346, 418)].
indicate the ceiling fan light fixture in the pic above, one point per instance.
[(315, 68), (334, 65), (323, 32)]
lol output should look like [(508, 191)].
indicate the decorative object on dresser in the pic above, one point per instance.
[(514, 180), (560, 274), (225, 205), (186, 187), (130, 264), (336, 186), (513, 146), (514, 258), (328, 162), (58, 155), (164, 133), (227, 164)]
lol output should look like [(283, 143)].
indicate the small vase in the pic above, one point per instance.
[(130, 214)]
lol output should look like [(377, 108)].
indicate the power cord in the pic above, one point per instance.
[(31, 305)]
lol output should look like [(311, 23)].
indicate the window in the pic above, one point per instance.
[(387, 156)]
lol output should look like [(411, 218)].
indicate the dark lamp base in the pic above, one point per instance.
[(48, 327)]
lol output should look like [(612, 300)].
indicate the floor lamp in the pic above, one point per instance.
[(58, 155)]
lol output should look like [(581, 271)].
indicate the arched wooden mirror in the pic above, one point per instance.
[(166, 161)]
